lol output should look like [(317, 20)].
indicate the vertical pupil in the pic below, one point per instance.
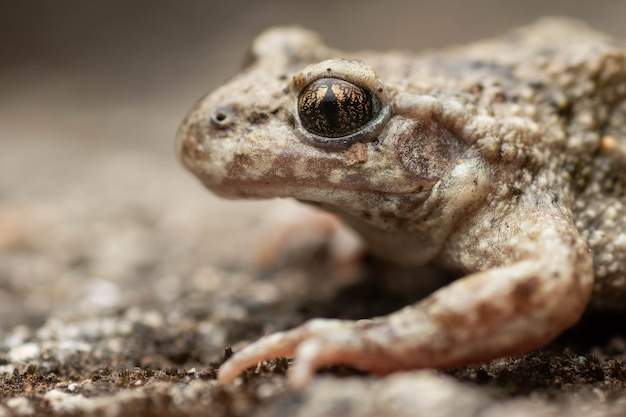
[(330, 107)]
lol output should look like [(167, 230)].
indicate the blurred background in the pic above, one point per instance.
[(93, 203)]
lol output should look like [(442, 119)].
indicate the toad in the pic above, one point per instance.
[(504, 159)]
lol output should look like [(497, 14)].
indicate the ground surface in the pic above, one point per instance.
[(122, 282)]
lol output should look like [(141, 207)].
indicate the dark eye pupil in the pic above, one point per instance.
[(333, 108), (330, 110)]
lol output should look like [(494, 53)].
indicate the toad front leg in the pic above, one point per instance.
[(540, 289)]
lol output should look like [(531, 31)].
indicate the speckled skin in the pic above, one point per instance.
[(504, 158)]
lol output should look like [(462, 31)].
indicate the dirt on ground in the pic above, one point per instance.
[(124, 284)]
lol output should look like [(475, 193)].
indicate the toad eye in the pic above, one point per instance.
[(333, 108)]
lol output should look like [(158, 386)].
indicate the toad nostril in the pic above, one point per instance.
[(223, 116)]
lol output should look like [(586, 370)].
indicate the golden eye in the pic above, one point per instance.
[(332, 108)]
